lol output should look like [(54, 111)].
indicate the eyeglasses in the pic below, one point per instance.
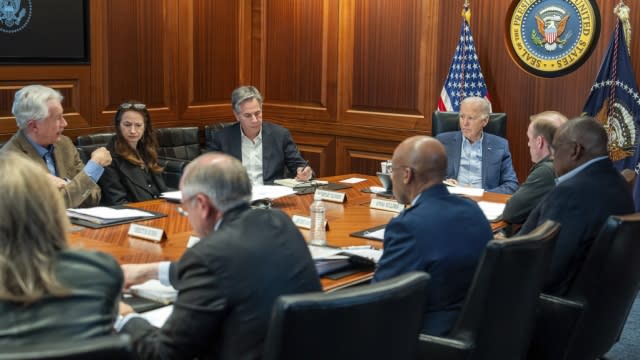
[(181, 210), (137, 106)]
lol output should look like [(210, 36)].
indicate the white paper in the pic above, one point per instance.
[(377, 189), (325, 253), (157, 317), (491, 210), (192, 241), (463, 190), (103, 212), (259, 192), (172, 195), (353, 180), (371, 254), (270, 192), (155, 291), (377, 234)]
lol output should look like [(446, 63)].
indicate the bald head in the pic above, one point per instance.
[(221, 177), (418, 162)]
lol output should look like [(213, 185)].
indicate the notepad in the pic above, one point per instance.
[(107, 215)]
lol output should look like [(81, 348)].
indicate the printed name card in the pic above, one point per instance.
[(333, 196), (387, 205), (146, 232), (304, 222)]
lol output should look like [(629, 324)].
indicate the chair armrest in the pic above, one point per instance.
[(435, 347), (556, 321)]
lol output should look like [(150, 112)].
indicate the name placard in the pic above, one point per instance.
[(304, 222), (332, 196), (386, 205), (146, 232)]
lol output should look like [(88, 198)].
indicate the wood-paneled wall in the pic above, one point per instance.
[(349, 78)]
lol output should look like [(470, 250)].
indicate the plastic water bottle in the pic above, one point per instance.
[(318, 235)]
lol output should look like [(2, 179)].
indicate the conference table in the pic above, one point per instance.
[(354, 214)]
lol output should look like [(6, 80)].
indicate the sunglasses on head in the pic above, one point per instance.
[(125, 106)]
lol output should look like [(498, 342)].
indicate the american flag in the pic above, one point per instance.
[(465, 76)]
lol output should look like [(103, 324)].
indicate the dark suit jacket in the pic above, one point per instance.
[(497, 170), (540, 181), (81, 190), (278, 149), (95, 281), (124, 182), (227, 284), (581, 205), (443, 235)]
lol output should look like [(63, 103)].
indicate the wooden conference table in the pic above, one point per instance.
[(343, 218)]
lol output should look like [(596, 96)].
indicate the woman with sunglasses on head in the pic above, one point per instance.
[(134, 174)]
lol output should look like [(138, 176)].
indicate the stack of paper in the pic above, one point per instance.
[(493, 211), (155, 291), (327, 259), (466, 191), (259, 192), (106, 215), (293, 183)]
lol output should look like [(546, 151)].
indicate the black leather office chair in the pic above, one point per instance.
[(178, 142), (210, 130), (587, 321), (497, 317), (450, 121), (86, 144), (377, 321), (101, 348)]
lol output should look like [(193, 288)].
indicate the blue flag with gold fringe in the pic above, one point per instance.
[(615, 102)]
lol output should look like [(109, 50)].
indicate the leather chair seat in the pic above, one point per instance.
[(445, 121)]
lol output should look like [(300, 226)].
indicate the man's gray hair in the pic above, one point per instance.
[(30, 103), (486, 105), (225, 183), (242, 94)]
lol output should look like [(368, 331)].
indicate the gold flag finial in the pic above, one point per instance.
[(622, 11), (466, 12)]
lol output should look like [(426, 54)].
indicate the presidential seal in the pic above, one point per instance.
[(551, 38), (14, 15)]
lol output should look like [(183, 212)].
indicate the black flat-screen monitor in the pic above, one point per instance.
[(44, 31)]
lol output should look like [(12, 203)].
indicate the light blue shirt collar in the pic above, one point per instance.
[(575, 171), (41, 150)]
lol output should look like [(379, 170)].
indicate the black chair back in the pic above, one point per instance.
[(497, 317), (586, 322), (210, 130), (377, 321), (86, 144), (444, 121), (178, 142), (101, 348)]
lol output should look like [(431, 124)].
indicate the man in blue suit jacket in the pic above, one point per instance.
[(265, 149), (478, 159), (589, 189), (428, 236)]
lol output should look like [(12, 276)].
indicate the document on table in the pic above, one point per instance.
[(158, 316), (105, 215), (155, 291), (492, 210), (353, 180), (259, 192), (468, 191)]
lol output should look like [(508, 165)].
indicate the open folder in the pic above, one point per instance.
[(329, 259), (101, 216)]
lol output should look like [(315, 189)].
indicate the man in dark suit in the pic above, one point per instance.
[(588, 190), (441, 234), (38, 112), (227, 283), (541, 179), (478, 159), (265, 149)]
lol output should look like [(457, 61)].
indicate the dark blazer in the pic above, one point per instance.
[(443, 235), (581, 205), (227, 284), (81, 189), (278, 149), (497, 170), (540, 181), (95, 281), (124, 182)]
